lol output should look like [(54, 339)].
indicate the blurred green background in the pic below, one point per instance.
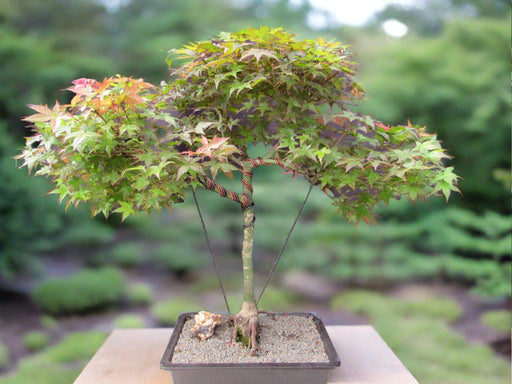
[(433, 278)]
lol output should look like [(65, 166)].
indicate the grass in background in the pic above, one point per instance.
[(58, 364), (273, 299), (173, 257), (500, 320), (48, 322), (420, 335), (127, 255), (167, 312), (36, 340), (129, 320), (210, 283), (140, 294), (84, 291)]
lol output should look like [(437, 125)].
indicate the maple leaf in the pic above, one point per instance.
[(215, 143), (384, 127), (45, 114), (142, 84), (214, 148), (258, 54), (101, 87), (131, 96), (84, 86)]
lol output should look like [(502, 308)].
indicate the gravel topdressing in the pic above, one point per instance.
[(282, 339)]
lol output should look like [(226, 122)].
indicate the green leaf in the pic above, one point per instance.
[(321, 153), (350, 163), (126, 209), (181, 171), (141, 183)]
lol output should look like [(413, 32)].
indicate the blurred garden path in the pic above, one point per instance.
[(18, 315)]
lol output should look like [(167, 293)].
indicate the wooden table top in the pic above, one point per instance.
[(132, 356)]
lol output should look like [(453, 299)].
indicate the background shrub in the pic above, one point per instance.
[(500, 320), (26, 216), (273, 299), (35, 340), (48, 322), (178, 259), (85, 291), (139, 294), (90, 233), (127, 254), (129, 320), (167, 312)]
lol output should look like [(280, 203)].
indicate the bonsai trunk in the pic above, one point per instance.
[(246, 321)]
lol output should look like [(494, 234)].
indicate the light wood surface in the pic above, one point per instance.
[(132, 356)]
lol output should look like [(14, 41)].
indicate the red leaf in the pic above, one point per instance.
[(384, 127), (84, 86)]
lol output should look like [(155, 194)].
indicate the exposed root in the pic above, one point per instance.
[(246, 323)]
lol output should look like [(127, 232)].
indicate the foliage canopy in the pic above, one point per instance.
[(126, 145)]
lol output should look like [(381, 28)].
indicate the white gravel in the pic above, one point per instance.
[(284, 339)]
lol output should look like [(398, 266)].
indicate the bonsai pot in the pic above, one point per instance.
[(250, 372)]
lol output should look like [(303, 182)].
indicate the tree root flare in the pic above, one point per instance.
[(246, 323)]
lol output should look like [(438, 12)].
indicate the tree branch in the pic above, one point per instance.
[(275, 161), (209, 184)]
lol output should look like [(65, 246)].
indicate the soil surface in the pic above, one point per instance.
[(282, 339)]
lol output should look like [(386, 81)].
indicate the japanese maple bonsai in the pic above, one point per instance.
[(125, 145)]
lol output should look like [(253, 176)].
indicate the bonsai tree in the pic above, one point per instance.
[(125, 145)]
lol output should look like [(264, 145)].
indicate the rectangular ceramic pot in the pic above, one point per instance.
[(250, 373)]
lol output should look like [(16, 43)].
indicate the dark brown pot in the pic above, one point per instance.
[(250, 373)]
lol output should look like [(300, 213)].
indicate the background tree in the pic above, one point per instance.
[(146, 29), (44, 43)]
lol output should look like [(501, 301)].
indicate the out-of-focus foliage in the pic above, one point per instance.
[(451, 245), (44, 43), (129, 321), (147, 29), (459, 84), (167, 312), (419, 332), (85, 291), (36, 340), (499, 320), (61, 363), (140, 294), (127, 255), (27, 219)]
